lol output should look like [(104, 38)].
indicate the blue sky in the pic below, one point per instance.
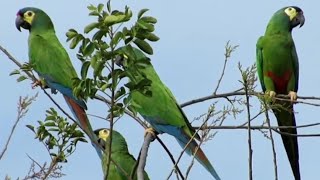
[(189, 59)]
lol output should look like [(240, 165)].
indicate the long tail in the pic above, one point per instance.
[(200, 156), (285, 117), (81, 116)]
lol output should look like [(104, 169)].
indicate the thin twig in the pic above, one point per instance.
[(205, 134), (222, 74), (186, 146), (177, 169), (22, 109), (245, 83), (51, 168), (11, 133), (272, 142)]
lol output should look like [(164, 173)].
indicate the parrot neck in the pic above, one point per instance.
[(279, 26), (42, 24), (117, 146)]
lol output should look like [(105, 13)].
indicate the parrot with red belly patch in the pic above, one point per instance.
[(278, 71)]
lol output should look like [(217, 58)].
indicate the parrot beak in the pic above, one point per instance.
[(102, 143), (20, 22), (300, 18)]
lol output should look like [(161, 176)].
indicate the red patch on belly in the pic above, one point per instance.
[(280, 82)]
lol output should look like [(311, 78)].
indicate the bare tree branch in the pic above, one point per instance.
[(245, 84), (229, 50), (22, 109), (272, 142), (143, 155), (242, 93)]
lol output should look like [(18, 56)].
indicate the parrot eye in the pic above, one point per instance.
[(29, 13), (290, 9), (106, 132)]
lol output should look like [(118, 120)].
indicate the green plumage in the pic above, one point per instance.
[(278, 71), (161, 109), (164, 106), (124, 162), (48, 47), (51, 61)]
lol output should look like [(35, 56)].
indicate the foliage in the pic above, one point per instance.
[(105, 51), (58, 135)]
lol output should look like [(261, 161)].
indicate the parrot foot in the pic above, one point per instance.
[(271, 94), (151, 131), (292, 95), (36, 83)]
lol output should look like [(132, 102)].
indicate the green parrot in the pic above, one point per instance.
[(161, 109), (52, 63), (124, 161), (278, 71)]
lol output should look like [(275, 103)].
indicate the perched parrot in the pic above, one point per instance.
[(124, 162), (278, 71), (51, 61), (162, 111)]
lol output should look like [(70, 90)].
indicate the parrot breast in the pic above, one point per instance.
[(280, 82)]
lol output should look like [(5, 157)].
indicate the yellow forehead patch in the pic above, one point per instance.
[(28, 16), (104, 134), (291, 12)]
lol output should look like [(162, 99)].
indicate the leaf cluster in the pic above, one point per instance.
[(58, 135), (109, 57)]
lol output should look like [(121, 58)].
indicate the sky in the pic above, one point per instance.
[(188, 58)]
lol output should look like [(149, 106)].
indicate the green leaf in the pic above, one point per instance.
[(144, 46), (132, 109), (120, 92), (84, 69), (48, 124), (149, 19), (99, 34), (93, 61), (147, 35), (152, 37), (105, 86), (71, 34), (75, 41), (113, 19), (31, 128), (115, 39), (109, 5), (89, 49), (100, 7), (94, 13), (14, 72), (49, 117), (91, 7), (128, 40), (99, 67), (90, 27), (145, 26), (53, 129), (119, 18), (21, 78), (141, 12)]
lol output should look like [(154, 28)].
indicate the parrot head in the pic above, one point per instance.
[(290, 16), (295, 15), (31, 18), (118, 141)]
